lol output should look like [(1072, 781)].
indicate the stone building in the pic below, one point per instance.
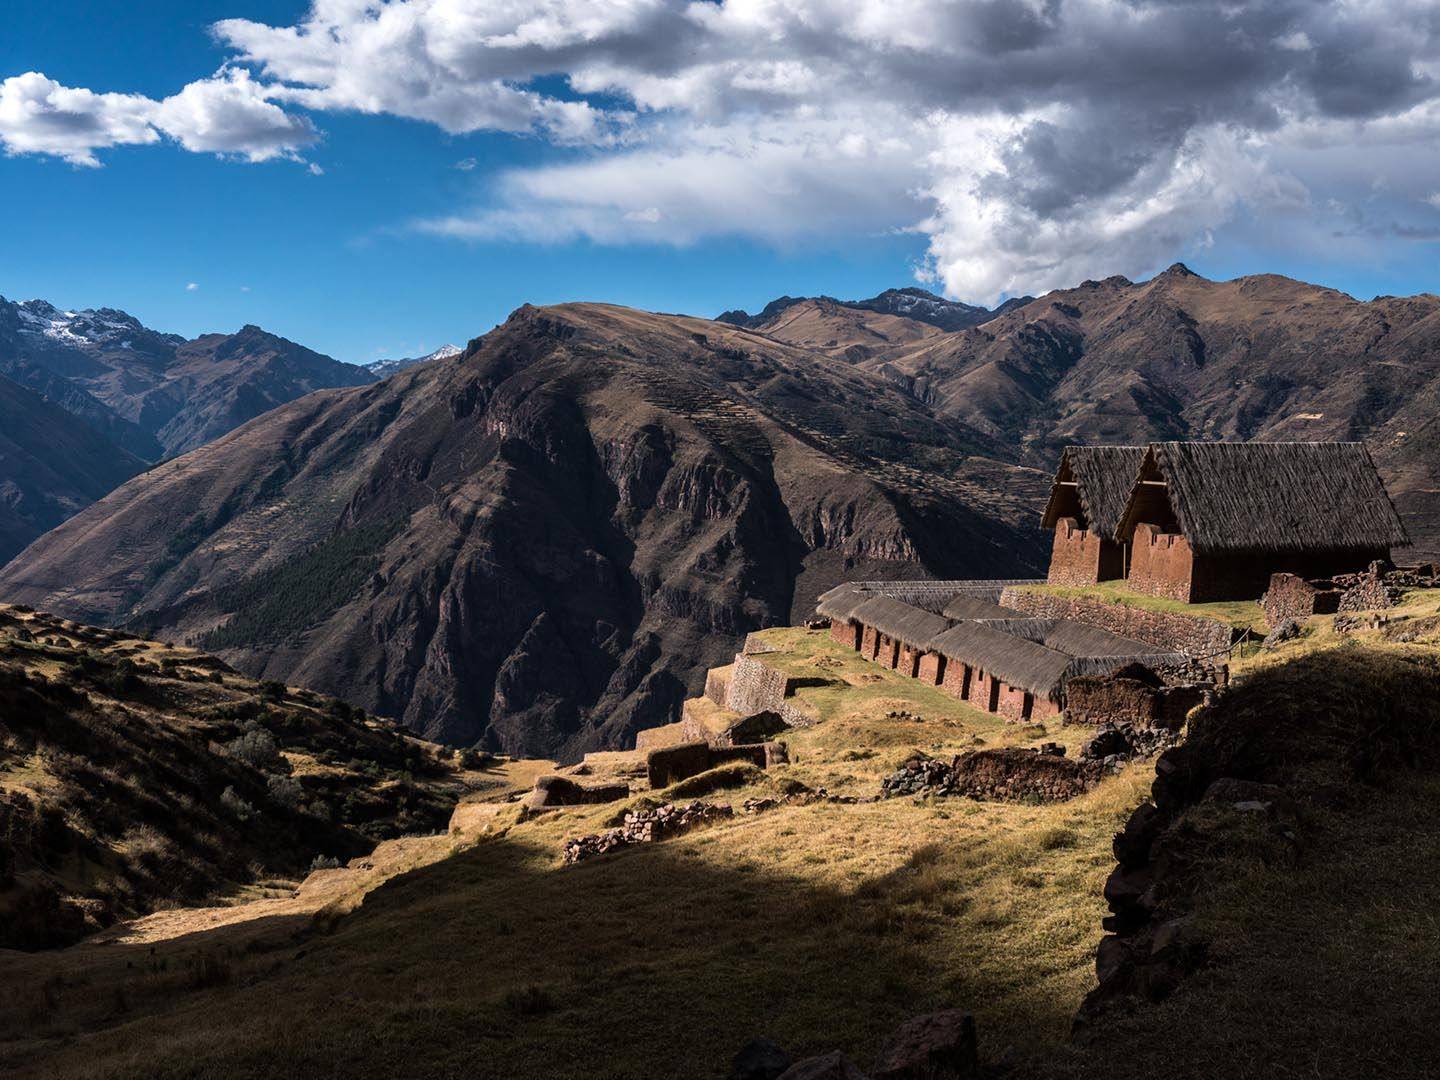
[(1087, 498), (1214, 521)]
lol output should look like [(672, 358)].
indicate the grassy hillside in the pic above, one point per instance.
[(134, 775), (823, 923)]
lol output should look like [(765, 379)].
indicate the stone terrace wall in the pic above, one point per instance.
[(1191, 634), (754, 686), (1014, 774)]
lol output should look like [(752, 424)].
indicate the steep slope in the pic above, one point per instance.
[(134, 774), (1180, 356), (541, 544), (51, 466), (157, 394)]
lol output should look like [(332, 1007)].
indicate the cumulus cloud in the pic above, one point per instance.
[(225, 114), (1032, 141)]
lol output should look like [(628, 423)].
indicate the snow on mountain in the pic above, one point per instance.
[(384, 368)]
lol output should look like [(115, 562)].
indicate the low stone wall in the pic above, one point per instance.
[(1117, 699), (562, 791), (1193, 634), (671, 764), (1292, 597), (1013, 774)]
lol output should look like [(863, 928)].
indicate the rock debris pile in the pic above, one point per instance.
[(645, 826)]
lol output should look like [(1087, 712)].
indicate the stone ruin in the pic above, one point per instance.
[(645, 826), (1006, 774), (552, 791), (936, 1046), (668, 765), (1377, 587), (1135, 695)]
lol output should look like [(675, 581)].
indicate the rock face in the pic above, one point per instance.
[(936, 1046), (52, 464), (543, 544), (157, 395)]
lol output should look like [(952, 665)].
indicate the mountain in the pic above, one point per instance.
[(52, 464), (139, 775), (383, 369), (910, 303), (543, 543), (1184, 357), (156, 394)]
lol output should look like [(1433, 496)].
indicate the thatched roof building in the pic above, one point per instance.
[(838, 603), (900, 621), (1092, 485), (1014, 660), (1227, 498)]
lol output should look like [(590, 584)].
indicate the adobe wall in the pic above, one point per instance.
[(846, 633), (954, 681), (1161, 564), (1080, 557), (1194, 634), (888, 652), (931, 669), (909, 661), (868, 638), (1011, 702)]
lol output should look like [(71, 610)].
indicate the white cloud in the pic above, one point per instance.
[(225, 114), (1433, 199), (39, 116), (1032, 141), (192, 286)]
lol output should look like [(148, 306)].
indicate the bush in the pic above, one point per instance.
[(232, 801), (324, 862), (286, 791), (256, 747)]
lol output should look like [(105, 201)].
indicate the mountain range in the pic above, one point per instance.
[(383, 369), (541, 543)]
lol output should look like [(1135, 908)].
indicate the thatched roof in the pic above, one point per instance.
[(1102, 478), (840, 601), (1082, 639), (1267, 497), (898, 620), (970, 607), (1012, 659), (927, 594)]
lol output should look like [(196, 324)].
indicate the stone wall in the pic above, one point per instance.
[(1193, 634), (846, 633), (957, 679), (717, 685), (755, 686), (909, 661), (1013, 774), (1292, 597), (1161, 564), (868, 641), (1117, 699)]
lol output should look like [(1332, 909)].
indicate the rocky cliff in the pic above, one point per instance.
[(543, 543)]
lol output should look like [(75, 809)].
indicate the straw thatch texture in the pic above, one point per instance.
[(841, 601), (1082, 639), (1012, 659), (1272, 497), (966, 606), (1103, 478), (903, 622)]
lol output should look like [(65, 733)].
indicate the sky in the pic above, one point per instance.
[(375, 179)]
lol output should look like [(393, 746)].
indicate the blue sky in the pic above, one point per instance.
[(681, 184)]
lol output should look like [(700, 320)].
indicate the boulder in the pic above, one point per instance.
[(936, 1046), (759, 1059), (754, 728), (831, 1066)]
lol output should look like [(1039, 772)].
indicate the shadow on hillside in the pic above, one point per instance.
[(500, 963)]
